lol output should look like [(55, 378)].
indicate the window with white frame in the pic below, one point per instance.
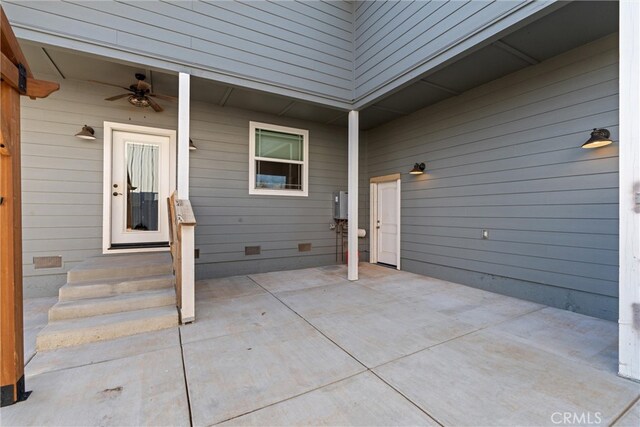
[(278, 160)]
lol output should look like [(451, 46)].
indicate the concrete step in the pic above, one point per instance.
[(116, 304), (70, 332), (128, 266), (107, 288)]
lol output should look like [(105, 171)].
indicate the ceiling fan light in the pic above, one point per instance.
[(87, 132), (138, 101)]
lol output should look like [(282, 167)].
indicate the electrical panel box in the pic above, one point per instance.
[(340, 205)]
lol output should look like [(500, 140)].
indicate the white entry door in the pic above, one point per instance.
[(388, 222), (140, 184)]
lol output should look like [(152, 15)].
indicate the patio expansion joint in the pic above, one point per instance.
[(285, 400), (184, 375), (625, 410), (367, 369)]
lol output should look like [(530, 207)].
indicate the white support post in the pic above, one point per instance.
[(352, 239), (188, 303), (629, 140), (187, 256), (184, 102)]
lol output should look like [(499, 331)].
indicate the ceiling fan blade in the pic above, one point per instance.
[(109, 84), (113, 98), (157, 108), (165, 97), (143, 86)]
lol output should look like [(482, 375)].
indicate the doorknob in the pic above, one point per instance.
[(115, 193)]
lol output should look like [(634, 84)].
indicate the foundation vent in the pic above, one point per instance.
[(47, 262), (304, 247), (252, 250)]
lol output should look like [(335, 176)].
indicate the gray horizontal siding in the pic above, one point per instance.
[(229, 220), (62, 176), (506, 157), (297, 46), (62, 187), (395, 42)]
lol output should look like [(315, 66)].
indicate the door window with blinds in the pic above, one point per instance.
[(278, 160)]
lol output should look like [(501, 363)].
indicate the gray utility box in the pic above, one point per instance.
[(340, 205)]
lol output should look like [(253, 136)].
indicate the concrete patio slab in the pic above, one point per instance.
[(217, 318), (362, 400), (572, 335), (331, 299), (36, 317), (465, 356), (280, 281), (377, 334), (146, 389), (237, 374), (631, 418), (226, 287), (88, 354), (475, 306), (493, 378), (406, 286)]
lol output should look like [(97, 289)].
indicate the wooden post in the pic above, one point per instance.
[(16, 80), (12, 346)]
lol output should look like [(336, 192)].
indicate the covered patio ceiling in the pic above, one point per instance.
[(570, 26), (573, 25)]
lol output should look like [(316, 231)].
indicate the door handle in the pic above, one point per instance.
[(115, 193)]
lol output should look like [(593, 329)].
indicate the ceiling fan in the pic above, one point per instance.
[(139, 94)]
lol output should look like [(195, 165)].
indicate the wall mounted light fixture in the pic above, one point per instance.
[(192, 146), (599, 138), (87, 132), (418, 169)]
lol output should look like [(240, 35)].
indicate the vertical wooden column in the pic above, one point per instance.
[(353, 175), (12, 345), (629, 295)]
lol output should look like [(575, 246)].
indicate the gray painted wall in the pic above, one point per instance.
[(506, 157), (62, 186), (295, 48), (396, 42), (62, 175), (229, 219)]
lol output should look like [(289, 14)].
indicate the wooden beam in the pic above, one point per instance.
[(35, 88), (9, 44), (11, 338)]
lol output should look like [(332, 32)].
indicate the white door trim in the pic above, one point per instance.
[(373, 217), (109, 128)]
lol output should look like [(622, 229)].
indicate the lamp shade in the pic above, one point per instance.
[(599, 138), (192, 146), (87, 132), (418, 169)]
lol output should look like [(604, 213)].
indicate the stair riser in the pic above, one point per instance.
[(109, 273), (52, 341), (68, 293), (97, 309)]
